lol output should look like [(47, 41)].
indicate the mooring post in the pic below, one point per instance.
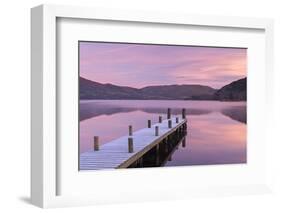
[(157, 154), (149, 123), (157, 148), (141, 162), (169, 113), (177, 120), (130, 130), (96, 143), (160, 119), (130, 145), (183, 142), (166, 146), (156, 130), (183, 113), (169, 123)]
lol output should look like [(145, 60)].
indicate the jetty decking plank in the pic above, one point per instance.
[(114, 154)]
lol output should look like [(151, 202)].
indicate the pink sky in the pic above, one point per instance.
[(140, 65)]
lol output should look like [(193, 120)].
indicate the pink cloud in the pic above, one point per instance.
[(143, 65)]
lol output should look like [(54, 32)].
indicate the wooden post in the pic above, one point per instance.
[(183, 113), (183, 142), (141, 162), (156, 130), (169, 123), (160, 119), (166, 145), (169, 113), (157, 155), (130, 145), (96, 143), (177, 120), (130, 130), (149, 123)]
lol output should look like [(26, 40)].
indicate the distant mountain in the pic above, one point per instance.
[(182, 92), (235, 91), (93, 90)]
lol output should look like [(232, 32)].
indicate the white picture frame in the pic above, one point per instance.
[(45, 168)]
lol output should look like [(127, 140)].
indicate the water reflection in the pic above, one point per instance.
[(216, 130), (237, 113), (162, 153), (89, 109), (212, 139)]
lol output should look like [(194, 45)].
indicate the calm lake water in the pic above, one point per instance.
[(216, 131)]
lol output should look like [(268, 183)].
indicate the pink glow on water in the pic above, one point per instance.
[(213, 137)]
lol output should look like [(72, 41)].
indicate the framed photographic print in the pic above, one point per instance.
[(147, 105), (144, 123)]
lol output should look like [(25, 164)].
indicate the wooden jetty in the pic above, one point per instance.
[(130, 149)]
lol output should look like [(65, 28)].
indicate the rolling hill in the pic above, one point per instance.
[(235, 91), (94, 90)]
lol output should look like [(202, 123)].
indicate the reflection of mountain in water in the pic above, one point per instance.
[(87, 110), (238, 113)]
